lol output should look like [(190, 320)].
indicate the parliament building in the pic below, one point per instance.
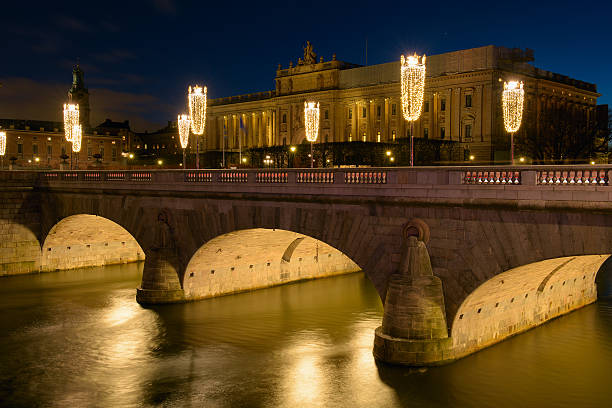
[(362, 103)]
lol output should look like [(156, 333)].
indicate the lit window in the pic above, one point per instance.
[(350, 137), (378, 137), (364, 137), (393, 134)]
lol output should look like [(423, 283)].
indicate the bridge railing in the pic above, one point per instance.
[(468, 177)]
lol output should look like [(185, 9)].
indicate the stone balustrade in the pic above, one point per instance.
[(476, 184)]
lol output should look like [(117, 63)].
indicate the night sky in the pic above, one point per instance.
[(140, 56)]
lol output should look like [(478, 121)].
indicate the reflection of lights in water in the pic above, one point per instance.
[(305, 379), (121, 311)]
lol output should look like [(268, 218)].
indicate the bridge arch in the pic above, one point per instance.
[(522, 298), (257, 258), (84, 240)]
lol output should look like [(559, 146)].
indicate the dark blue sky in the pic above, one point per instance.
[(140, 56)]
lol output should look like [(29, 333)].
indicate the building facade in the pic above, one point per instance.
[(42, 144), (362, 103)]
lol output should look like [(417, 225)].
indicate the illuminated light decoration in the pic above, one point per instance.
[(197, 109), (77, 136), (71, 119), (412, 78), (197, 113), (413, 86), (513, 98), (183, 127), (2, 143), (311, 124)]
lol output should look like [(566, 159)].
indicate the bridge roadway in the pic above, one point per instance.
[(462, 257)]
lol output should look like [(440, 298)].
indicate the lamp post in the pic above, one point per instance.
[(71, 120), (2, 148), (197, 112), (183, 127), (513, 98), (412, 77), (311, 123)]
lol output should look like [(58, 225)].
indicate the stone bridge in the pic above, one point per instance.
[(461, 257)]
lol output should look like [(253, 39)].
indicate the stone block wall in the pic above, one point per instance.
[(253, 259), (522, 298), (19, 230), (87, 240)]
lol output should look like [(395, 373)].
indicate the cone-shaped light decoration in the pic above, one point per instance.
[(197, 109), (311, 120), (183, 127), (413, 86), (77, 136), (71, 119), (2, 143), (513, 98)]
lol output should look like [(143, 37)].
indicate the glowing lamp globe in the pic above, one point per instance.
[(412, 77), (2, 143), (71, 119), (513, 98), (311, 120), (197, 109), (183, 127)]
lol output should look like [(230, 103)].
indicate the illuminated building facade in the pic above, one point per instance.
[(362, 103)]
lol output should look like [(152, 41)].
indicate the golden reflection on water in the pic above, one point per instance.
[(78, 338)]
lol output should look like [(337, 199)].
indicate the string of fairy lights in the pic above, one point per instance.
[(412, 86), (311, 125), (513, 97)]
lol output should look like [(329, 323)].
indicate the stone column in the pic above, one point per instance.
[(414, 329)]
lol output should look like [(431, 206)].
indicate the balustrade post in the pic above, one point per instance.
[(455, 177), (529, 177)]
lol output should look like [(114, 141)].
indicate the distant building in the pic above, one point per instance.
[(162, 142), (462, 102), (43, 143)]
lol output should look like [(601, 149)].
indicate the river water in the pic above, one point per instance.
[(79, 339)]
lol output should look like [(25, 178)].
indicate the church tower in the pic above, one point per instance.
[(79, 94)]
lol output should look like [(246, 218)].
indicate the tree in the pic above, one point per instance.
[(565, 135)]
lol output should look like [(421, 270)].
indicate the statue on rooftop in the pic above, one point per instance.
[(309, 55)]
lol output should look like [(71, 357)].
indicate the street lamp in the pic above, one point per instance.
[(311, 123), (513, 97), (413, 90), (197, 112), (388, 153), (183, 127)]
